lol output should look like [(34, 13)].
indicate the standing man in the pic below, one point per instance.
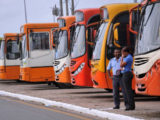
[(114, 64), (126, 65)]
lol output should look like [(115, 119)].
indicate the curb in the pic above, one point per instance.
[(89, 111)]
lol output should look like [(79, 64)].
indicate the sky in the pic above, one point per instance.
[(12, 15)]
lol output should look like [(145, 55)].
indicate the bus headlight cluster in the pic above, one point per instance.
[(61, 69), (79, 69)]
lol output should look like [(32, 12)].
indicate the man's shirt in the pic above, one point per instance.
[(114, 64), (129, 60)]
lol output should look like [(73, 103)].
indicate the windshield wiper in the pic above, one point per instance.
[(149, 14), (75, 37), (100, 33), (142, 18)]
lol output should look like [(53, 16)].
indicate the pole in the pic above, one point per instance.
[(61, 8), (25, 10), (135, 1), (67, 13), (72, 7)]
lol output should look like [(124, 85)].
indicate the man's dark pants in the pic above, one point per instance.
[(127, 90), (116, 86)]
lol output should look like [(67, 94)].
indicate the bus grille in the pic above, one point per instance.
[(56, 63), (141, 61)]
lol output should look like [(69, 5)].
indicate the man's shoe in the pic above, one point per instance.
[(127, 109), (116, 107), (130, 108)]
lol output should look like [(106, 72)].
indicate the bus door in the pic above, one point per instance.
[(119, 37)]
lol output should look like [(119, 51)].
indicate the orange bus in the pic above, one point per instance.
[(37, 53), (81, 51), (62, 50), (147, 58), (9, 57)]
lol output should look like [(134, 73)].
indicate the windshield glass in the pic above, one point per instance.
[(39, 41), (78, 45), (12, 49), (2, 44), (62, 47), (23, 47), (149, 33), (99, 41)]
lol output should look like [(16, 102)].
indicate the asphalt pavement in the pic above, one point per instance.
[(11, 109)]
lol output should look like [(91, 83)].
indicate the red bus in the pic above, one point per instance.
[(81, 51)]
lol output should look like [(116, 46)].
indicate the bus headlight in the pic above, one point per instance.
[(79, 69), (61, 69)]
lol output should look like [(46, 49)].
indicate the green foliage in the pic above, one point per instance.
[(0, 38)]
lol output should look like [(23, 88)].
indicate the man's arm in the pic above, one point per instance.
[(109, 74), (123, 63), (109, 69)]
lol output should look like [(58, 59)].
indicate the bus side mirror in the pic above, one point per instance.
[(31, 34), (18, 39), (55, 37), (94, 34), (134, 18), (115, 33)]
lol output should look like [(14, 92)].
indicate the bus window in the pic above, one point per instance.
[(12, 50), (39, 44), (2, 45), (39, 41)]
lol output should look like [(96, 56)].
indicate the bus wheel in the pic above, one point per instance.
[(109, 90), (63, 85), (18, 81)]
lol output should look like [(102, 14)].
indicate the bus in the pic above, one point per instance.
[(81, 51), (113, 33), (62, 50), (37, 53), (9, 57), (147, 48)]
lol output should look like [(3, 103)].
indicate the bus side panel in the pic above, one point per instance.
[(10, 73), (24, 74), (64, 77), (99, 80), (43, 74), (149, 85)]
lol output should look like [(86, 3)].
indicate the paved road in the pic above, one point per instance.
[(11, 109)]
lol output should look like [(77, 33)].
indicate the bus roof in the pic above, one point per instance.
[(85, 11), (11, 35), (114, 9), (40, 25), (88, 13), (68, 19)]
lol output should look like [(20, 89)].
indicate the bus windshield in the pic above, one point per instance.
[(12, 49), (2, 44), (62, 46), (78, 45), (99, 41), (24, 47), (149, 32), (39, 41)]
